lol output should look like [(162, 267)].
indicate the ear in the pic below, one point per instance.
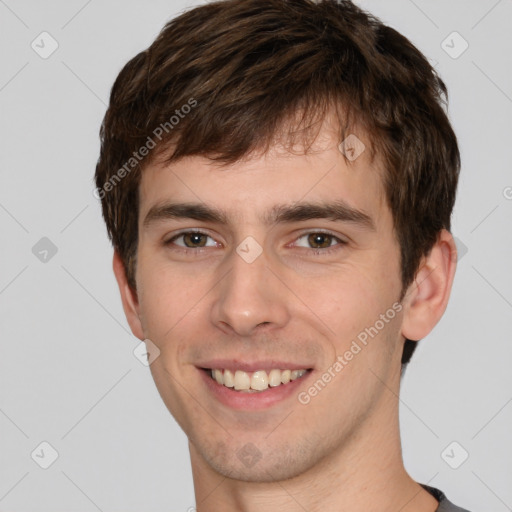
[(427, 297), (128, 297)]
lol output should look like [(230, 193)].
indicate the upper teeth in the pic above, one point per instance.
[(257, 381)]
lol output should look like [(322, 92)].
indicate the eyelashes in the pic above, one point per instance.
[(196, 234), (200, 237)]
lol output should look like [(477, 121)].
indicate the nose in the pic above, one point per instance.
[(250, 297)]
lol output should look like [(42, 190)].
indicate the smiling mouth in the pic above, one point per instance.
[(254, 382)]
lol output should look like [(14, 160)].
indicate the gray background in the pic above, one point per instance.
[(68, 375)]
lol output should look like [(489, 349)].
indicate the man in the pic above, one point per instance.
[(277, 178)]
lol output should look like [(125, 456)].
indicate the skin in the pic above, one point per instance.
[(341, 451)]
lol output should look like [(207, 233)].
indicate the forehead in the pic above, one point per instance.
[(250, 189)]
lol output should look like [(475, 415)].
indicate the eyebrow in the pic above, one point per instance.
[(285, 213)]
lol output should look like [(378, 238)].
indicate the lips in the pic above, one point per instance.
[(252, 400), (252, 384)]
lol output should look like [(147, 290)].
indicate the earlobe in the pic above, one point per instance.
[(427, 297), (128, 297)]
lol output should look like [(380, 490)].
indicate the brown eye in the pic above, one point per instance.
[(191, 240), (194, 239), (320, 240)]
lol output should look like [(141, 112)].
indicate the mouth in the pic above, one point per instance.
[(253, 390)]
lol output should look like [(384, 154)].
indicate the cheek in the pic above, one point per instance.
[(356, 305), (167, 298), (355, 294)]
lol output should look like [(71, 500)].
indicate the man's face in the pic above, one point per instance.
[(294, 295)]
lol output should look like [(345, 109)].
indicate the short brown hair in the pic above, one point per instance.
[(243, 68)]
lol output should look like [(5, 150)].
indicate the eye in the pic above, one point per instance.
[(191, 240), (320, 241), (316, 241)]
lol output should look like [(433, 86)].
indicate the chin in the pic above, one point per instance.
[(248, 464)]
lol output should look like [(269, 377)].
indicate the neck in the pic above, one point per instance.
[(366, 470)]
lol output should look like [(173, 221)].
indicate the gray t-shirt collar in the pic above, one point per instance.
[(444, 504)]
